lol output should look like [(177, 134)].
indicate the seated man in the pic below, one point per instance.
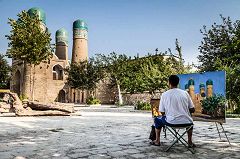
[(175, 106)]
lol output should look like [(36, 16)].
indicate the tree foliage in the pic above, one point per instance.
[(133, 75), (4, 73), (220, 50), (149, 73), (220, 42), (177, 59), (113, 64), (84, 75), (29, 42)]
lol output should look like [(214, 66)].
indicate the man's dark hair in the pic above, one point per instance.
[(173, 80)]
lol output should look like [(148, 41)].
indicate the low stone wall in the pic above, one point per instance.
[(132, 99)]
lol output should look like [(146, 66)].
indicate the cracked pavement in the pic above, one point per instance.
[(107, 132)]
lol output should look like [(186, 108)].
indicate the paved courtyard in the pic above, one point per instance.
[(107, 133)]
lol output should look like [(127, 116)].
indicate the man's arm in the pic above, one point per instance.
[(190, 104)]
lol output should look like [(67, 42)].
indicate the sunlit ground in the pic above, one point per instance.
[(107, 133)]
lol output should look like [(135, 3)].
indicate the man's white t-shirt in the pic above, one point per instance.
[(176, 104)]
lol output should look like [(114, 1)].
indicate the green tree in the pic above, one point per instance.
[(29, 42), (114, 67), (132, 78), (177, 59), (149, 73), (220, 42), (178, 48), (220, 50), (84, 75), (160, 69), (4, 73)]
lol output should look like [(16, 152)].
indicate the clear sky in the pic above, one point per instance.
[(128, 26)]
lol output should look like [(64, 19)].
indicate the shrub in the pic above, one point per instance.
[(143, 106), (212, 105), (237, 111), (93, 100)]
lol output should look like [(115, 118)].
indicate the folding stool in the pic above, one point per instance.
[(179, 137)]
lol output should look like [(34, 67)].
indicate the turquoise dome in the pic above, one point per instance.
[(61, 32), (191, 82), (202, 85), (80, 24), (209, 82), (186, 86), (39, 12), (61, 35)]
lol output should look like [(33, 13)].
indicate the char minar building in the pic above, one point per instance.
[(203, 92), (50, 80)]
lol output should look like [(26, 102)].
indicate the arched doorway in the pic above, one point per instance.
[(17, 78), (61, 96), (57, 72)]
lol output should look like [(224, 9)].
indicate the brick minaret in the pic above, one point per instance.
[(191, 89), (80, 41), (62, 44), (209, 84)]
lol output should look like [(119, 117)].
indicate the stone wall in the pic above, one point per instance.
[(45, 88), (132, 99), (40, 86), (105, 92), (53, 87), (108, 94)]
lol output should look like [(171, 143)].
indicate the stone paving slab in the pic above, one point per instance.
[(114, 134)]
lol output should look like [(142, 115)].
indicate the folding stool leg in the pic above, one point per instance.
[(187, 144), (165, 132), (175, 134), (179, 138)]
